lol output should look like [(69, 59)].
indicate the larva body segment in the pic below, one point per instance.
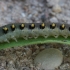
[(25, 33), (44, 32), (55, 32), (68, 33), (6, 37), (15, 34), (64, 33), (3, 38), (35, 33)]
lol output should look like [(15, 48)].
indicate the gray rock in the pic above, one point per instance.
[(52, 13), (54, 19), (49, 58), (68, 22), (23, 15), (52, 2), (62, 17)]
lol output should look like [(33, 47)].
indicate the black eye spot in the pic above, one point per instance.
[(42, 26), (32, 26), (52, 26), (62, 27), (13, 27), (22, 26), (5, 30)]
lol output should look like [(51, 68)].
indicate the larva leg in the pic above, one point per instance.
[(14, 35), (14, 38), (4, 39)]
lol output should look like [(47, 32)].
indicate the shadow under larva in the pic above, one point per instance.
[(21, 34)]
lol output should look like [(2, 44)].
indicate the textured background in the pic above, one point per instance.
[(11, 11)]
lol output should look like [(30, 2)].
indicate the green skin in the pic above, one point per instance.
[(39, 40)]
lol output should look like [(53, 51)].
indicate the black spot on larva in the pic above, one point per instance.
[(62, 27), (42, 26), (13, 27), (53, 25), (32, 26), (5, 30), (69, 28), (22, 26)]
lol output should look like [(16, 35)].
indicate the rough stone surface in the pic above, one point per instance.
[(52, 2)]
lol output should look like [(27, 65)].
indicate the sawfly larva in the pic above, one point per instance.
[(21, 34)]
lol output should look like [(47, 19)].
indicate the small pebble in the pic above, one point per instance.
[(56, 9), (23, 15), (49, 58), (65, 66), (42, 48), (54, 19)]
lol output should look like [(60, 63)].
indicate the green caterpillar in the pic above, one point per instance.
[(21, 34)]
